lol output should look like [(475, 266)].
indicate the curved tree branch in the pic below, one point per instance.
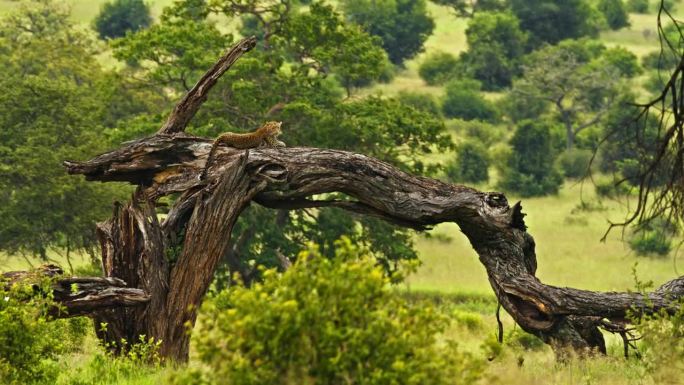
[(289, 177)]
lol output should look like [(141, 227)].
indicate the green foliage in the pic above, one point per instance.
[(421, 102), (637, 6), (141, 360), (662, 345), (495, 45), (530, 170), (55, 101), (626, 63), (575, 79), (653, 238), (321, 35), (118, 17), (575, 163), (439, 67), (325, 321), (463, 100), (471, 164), (551, 21), (30, 341), (615, 13), (172, 54), (403, 25)]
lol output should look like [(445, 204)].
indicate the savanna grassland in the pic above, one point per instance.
[(567, 227)]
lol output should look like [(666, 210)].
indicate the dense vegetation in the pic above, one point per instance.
[(531, 99)]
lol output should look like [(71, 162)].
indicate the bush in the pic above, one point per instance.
[(614, 12), (30, 341), (530, 170), (662, 345), (653, 238), (463, 100), (324, 321), (651, 243), (438, 68), (120, 16), (575, 162), (637, 6), (471, 164), (421, 102), (483, 132)]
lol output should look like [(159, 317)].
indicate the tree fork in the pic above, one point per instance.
[(174, 261)]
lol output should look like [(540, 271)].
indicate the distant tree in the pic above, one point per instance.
[(551, 21), (471, 164), (495, 45), (403, 25), (120, 16), (440, 67), (614, 12), (580, 92), (637, 6), (468, 8), (530, 169), (463, 100)]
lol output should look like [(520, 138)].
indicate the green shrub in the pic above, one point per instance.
[(463, 100), (438, 68), (471, 164), (662, 345), (421, 102), (637, 6), (530, 168), (483, 132), (30, 341), (610, 189), (324, 321), (575, 162), (653, 238)]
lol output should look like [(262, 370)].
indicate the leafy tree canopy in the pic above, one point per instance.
[(121, 16), (495, 45), (551, 21), (403, 25)]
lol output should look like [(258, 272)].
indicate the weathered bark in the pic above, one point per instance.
[(288, 177), (79, 295), (174, 261)]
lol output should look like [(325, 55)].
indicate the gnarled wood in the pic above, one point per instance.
[(289, 177), (80, 295)]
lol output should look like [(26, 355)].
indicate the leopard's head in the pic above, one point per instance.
[(272, 128)]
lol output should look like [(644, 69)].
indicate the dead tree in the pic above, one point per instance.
[(137, 247)]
